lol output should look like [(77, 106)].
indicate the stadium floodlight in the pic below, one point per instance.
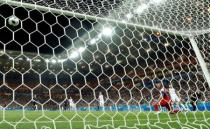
[(145, 39), (157, 1), (37, 60), (107, 66), (77, 52), (107, 31), (81, 49), (74, 54), (124, 21), (53, 61), (93, 41), (208, 9), (148, 50), (28, 59), (20, 58), (47, 60), (61, 60), (141, 8), (129, 16), (166, 44), (119, 61)]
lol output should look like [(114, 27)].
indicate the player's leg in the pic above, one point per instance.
[(193, 103), (156, 106), (102, 105), (70, 107), (166, 104), (75, 107), (181, 104), (98, 104), (173, 102), (36, 107), (177, 101)]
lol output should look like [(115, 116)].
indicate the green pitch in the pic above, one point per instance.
[(102, 120)]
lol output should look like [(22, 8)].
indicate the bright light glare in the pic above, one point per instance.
[(156, 1), (119, 61), (129, 16), (20, 58), (166, 44), (74, 54), (53, 61), (208, 9), (37, 60), (47, 60), (107, 31), (93, 41), (141, 8), (106, 66), (149, 50), (61, 60), (81, 49), (144, 6), (124, 21)]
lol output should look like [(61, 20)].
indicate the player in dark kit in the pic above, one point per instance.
[(194, 98)]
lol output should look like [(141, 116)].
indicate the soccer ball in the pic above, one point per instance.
[(14, 21)]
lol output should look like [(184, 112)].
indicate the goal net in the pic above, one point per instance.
[(104, 64)]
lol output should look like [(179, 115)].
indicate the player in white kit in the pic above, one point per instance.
[(36, 107), (174, 97), (72, 105), (101, 100)]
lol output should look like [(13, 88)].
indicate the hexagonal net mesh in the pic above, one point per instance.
[(182, 16), (74, 64)]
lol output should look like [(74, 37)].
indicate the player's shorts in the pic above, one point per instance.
[(101, 103), (72, 105), (164, 102), (36, 107), (175, 98)]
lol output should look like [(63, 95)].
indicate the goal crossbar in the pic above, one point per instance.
[(96, 18)]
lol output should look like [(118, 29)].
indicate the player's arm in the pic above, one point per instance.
[(193, 96)]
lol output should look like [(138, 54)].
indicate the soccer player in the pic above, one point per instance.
[(194, 98), (35, 105), (72, 105), (174, 97), (101, 101), (164, 99)]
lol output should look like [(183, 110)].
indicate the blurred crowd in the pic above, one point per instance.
[(114, 95)]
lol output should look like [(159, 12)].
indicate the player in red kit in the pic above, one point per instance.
[(164, 99)]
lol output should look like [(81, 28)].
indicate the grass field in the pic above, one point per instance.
[(103, 120)]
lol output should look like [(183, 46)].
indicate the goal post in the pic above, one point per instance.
[(200, 59)]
